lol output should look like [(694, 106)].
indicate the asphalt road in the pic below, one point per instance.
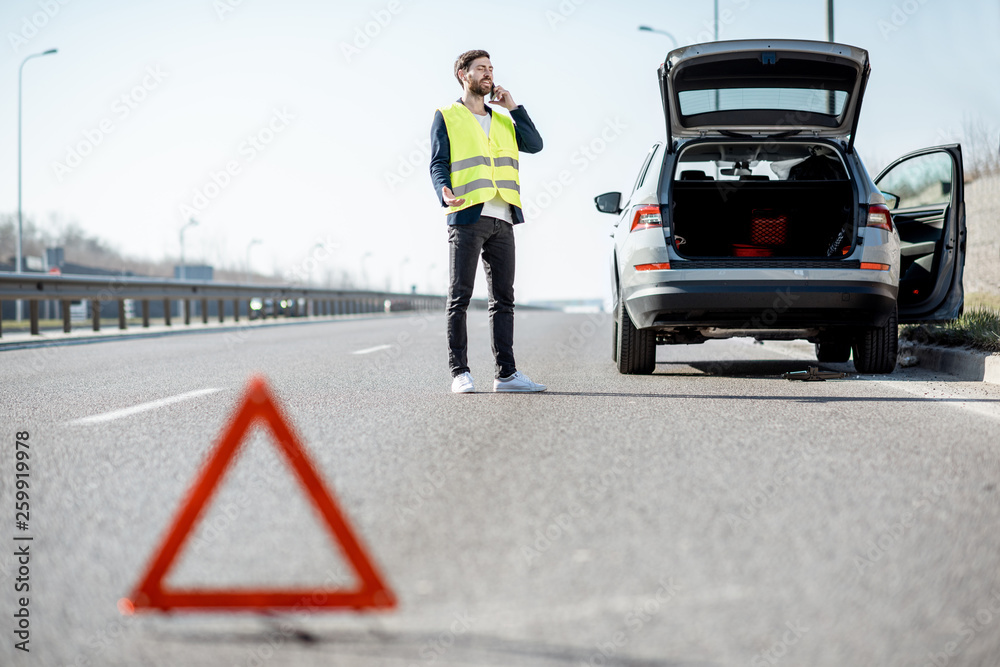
[(710, 514)]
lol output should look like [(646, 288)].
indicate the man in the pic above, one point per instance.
[(474, 167)]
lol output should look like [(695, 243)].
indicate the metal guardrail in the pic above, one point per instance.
[(299, 301)]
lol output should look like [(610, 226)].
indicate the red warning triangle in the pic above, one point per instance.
[(259, 405)]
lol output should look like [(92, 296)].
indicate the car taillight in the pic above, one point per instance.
[(646, 217), (879, 217), (874, 266)]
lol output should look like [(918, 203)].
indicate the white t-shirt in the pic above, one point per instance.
[(496, 207)]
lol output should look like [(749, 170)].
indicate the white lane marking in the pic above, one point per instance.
[(143, 407), (369, 350)]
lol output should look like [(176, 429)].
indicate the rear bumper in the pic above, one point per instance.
[(760, 304)]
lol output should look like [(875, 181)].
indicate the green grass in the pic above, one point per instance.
[(978, 327), (975, 300)]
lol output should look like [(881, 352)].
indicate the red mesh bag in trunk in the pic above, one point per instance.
[(768, 227)]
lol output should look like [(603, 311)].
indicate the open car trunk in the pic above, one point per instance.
[(750, 199), (762, 219)]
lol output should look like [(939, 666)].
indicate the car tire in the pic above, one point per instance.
[(635, 348), (833, 352), (875, 348)]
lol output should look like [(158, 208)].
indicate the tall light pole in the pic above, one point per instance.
[(660, 32), (716, 20), (831, 106), (716, 39), (20, 73), (190, 223), (247, 270)]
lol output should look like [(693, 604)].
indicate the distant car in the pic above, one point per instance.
[(757, 218)]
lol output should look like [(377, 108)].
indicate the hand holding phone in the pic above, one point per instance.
[(500, 95)]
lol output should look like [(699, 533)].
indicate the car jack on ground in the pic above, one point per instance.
[(814, 374)]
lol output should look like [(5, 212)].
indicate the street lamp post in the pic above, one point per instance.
[(20, 73), (831, 106), (247, 269), (716, 39), (660, 32)]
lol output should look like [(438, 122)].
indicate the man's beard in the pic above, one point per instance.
[(483, 88)]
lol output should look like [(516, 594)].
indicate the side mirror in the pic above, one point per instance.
[(609, 202)]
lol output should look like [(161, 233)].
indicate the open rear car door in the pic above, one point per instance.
[(925, 192)]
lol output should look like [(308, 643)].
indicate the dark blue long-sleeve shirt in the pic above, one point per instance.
[(528, 141)]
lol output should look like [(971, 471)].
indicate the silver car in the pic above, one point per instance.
[(756, 217)]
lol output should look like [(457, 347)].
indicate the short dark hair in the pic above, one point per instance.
[(465, 60)]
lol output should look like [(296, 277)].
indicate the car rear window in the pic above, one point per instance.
[(694, 102)]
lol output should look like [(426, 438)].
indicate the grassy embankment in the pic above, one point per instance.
[(978, 327)]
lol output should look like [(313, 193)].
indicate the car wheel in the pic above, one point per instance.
[(875, 348), (635, 348), (833, 352)]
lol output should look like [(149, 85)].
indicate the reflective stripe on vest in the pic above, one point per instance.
[(482, 166)]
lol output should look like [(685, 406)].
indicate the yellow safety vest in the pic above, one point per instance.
[(481, 166)]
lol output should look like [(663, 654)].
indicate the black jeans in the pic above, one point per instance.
[(494, 238)]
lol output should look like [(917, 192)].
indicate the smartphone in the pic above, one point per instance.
[(493, 92)]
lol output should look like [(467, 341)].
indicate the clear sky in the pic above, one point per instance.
[(302, 121)]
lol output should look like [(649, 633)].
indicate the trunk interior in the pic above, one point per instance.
[(759, 218)]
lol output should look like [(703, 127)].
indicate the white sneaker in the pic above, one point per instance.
[(518, 382), (462, 384)]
